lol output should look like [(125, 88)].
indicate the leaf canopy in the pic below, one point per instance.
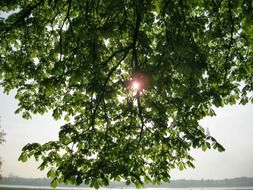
[(79, 58)]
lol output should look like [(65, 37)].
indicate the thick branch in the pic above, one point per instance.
[(135, 37)]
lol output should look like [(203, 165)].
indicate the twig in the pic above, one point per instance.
[(114, 54), (141, 117)]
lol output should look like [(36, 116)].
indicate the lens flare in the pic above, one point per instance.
[(136, 85)]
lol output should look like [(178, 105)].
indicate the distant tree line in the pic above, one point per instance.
[(233, 182), (183, 183)]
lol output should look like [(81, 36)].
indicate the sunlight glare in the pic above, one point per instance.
[(136, 85)]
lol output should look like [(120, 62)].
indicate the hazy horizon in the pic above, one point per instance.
[(45, 177)]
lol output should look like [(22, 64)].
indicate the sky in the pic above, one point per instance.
[(232, 127)]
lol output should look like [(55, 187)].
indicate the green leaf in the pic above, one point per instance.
[(165, 179), (204, 146), (23, 157), (220, 147), (79, 180), (54, 183), (26, 115), (96, 185), (190, 164), (138, 184), (147, 180), (128, 182), (181, 166), (51, 173), (43, 165), (117, 178)]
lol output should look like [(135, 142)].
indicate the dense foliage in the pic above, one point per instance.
[(79, 60)]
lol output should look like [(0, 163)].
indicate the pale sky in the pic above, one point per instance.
[(232, 127)]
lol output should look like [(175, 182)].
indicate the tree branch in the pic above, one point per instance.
[(114, 54), (104, 87), (230, 40), (140, 116), (135, 37), (190, 32), (107, 123), (23, 16), (60, 32)]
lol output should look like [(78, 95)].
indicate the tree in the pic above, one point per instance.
[(131, 79), (2, 134)]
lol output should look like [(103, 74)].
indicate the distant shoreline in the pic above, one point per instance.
[(16, 187), (233, 183)]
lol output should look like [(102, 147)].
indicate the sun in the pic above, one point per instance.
[(136, 85)]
